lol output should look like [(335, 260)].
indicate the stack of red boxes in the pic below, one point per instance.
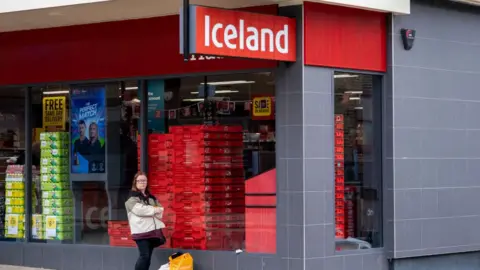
[(161, 178), (339, 177), (119, 233), (209, 187), (350, 214)]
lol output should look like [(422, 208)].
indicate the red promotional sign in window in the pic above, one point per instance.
[(242, 34)]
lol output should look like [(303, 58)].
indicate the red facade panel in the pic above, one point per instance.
[(144, 47), (345, 37)]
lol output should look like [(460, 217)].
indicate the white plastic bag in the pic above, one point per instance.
[(165, 267)]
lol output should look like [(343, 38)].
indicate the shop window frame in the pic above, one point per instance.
[(379, 110), (142, 86)]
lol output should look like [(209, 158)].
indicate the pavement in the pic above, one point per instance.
[(11, 267)]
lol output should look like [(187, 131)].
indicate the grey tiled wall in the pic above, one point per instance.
[(436, 132), (319, 181)]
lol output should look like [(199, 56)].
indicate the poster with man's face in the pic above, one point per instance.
[(88, 130)]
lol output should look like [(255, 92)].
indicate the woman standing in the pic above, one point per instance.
[(144, 216)]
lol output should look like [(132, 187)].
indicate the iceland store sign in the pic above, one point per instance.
[(222, 32)]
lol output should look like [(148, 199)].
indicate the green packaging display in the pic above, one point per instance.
[(61, 227), (68, 219), (59, 236), (14, 201), (20, 234), (14, 194), (54, 170), (46, 186), (15, 185), (57, 203), (55, 178), (58, 194), (38, 235), (54, 136), (44, 145), (64, 211), (54, 161), (49, 153)]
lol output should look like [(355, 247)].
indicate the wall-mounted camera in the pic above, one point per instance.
[(408, 36)]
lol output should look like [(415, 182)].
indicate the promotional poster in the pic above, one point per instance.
[(88, 130), (156, 103)]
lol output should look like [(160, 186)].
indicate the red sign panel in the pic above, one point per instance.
[(242, 34), (344, 37), (122, 49)]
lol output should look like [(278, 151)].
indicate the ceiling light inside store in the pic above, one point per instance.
[(227, 91), (354, 92), (354, 98), (56, 92), (229, 82), (358, 108), (131, 88), (340, 76), (202, 99)]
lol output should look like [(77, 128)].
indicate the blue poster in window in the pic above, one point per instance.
[(88, 130)]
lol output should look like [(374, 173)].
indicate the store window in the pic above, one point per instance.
[(211, 161), (86, 135), (358, 184), (12, 157), (211, 156)]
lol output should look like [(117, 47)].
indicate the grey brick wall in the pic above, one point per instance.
[(436, 131)]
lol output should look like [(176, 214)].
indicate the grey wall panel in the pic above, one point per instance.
[(464, 261), (290, 151), (435, 128), (72, 257)]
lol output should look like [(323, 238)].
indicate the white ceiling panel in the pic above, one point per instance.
[(39, 16)]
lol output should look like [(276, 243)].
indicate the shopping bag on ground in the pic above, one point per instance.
[(165, 267), (180, 261)]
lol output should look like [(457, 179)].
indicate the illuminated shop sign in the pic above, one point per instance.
[(241, 34)]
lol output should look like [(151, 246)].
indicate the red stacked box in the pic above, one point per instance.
[(209, 187), (340, 231), (161, 178), (119, 233)]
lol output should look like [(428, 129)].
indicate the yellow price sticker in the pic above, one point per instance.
[(51, 230), (12, 220), (12, 224), (51, 223)]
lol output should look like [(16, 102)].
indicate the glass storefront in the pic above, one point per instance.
[(210, 161), (358, 181), (12, 152)]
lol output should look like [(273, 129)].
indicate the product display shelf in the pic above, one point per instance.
[(2, 207), (14, 202), (57, 199)]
